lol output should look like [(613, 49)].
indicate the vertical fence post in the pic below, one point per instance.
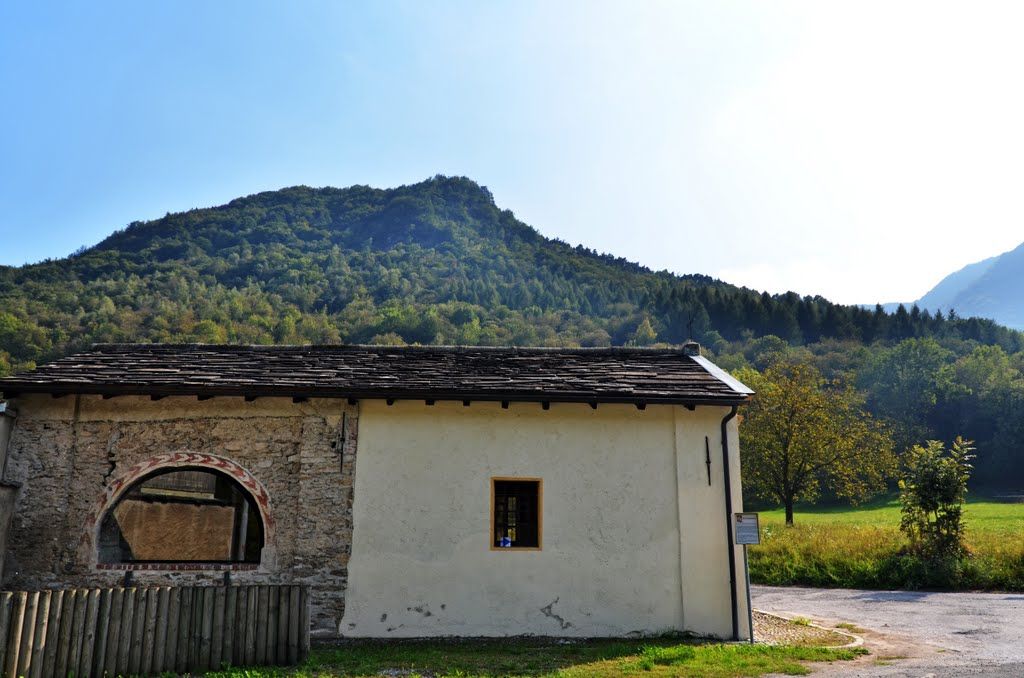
[(160, 632), (285, 593), (28, 629), (230, 610), (17, 622), (113, 648), (78, 630), (6, 610), (250, 624), (149, 632), (125, 640), (102, 629), (304, 625), (262, 610), (184, 622), (138, 632), (217, 641), (92, 611), (173, 621), (206, 630), (39, 635), (273, 622), (195, 651), (293, 625), (53, 632)]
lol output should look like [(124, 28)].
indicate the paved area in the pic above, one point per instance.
[(914, 633)]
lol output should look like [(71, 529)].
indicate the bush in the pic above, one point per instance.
[(932, 494)]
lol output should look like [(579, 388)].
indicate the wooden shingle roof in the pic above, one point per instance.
[(629, 375)]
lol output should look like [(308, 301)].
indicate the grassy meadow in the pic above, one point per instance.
[(862, 548), (596, 658)]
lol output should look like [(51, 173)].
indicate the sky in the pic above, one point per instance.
[(860, 150)]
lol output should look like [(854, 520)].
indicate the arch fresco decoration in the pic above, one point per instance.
[(178, 460)]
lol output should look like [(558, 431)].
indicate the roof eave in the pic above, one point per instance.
[(13, 389)]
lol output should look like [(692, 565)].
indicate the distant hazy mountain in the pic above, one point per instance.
[(944, 295), (992, 288)]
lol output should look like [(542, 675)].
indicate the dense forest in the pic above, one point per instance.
[(439, 262)]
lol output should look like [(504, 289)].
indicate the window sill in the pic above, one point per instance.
[(178, 567)]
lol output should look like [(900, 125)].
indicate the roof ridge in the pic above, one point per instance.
[(450, 348)]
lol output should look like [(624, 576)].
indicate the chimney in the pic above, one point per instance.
[(691, 348)]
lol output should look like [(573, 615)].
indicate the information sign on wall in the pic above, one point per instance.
[(746, 528)]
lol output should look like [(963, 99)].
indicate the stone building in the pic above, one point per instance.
[(500, 491)]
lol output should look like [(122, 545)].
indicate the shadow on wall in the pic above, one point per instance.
[(8, 490)]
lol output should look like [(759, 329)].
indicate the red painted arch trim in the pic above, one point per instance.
[(180, 460)]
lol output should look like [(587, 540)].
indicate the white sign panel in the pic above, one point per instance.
[(746, 528)]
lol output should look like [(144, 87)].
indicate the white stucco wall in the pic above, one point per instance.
[(702, 519), (623, 551)]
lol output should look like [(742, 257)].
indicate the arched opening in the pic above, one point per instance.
[(182, 515)]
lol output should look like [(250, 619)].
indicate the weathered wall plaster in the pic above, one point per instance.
[(74, 455), (623, 552)]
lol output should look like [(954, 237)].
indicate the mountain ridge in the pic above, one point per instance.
[(992, 288), (433, 262)]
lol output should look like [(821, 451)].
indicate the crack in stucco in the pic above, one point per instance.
[(548, 611), (111, 456)]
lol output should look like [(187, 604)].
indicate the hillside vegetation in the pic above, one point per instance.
[(435, 262), (439, 262)]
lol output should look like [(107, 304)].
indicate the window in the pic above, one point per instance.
[(516, 510), (182, 516)]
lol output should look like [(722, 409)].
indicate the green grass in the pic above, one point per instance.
[(981, 516), (603, 658), (862, 548)]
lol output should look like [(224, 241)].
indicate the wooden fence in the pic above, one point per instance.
[(139, 631)]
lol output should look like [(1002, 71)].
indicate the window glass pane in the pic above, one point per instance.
[(516, 516)]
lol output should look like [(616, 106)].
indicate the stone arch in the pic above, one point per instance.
[(117, 487)]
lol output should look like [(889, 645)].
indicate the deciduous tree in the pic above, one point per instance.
[(802, 433)]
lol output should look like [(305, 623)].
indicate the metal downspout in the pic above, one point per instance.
[(728, 524)]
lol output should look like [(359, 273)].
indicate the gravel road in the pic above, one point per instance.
[(915, 633)]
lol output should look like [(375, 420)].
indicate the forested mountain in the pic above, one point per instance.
[(434, 262), (439, 262)]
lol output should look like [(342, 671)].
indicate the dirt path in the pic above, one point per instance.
[(915, 633)]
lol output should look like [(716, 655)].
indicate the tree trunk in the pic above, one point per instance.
[(789, 512)]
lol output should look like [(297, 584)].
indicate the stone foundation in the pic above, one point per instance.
[(73, 456)]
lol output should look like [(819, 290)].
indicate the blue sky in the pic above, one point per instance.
[(859, 151)]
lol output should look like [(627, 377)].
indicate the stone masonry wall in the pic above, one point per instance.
[(70, 453)]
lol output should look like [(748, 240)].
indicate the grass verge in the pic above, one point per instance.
[(601, 658), (863, 548)]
